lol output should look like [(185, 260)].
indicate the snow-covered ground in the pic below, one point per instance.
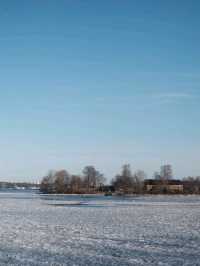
[(152, 230)]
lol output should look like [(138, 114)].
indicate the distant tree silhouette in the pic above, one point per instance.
[(62, 182), (126, 182), (166, 172), (92, 178)]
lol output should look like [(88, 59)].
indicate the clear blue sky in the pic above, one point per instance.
[(99, 82)]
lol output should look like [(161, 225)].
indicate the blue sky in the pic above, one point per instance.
[(99, 82)]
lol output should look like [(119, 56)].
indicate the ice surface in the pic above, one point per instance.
[(151, 230)]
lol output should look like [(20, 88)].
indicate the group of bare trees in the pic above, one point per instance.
[(192, 184), (127, 182), (166, 173), (92, 181), (62, 182)]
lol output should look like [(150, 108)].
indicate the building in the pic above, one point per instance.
[(163, 186)]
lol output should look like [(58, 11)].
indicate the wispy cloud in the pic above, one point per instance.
[(175, 95)]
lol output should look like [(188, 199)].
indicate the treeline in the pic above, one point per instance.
[(92, 181), (61, 181), (128, 182), (191, 185)]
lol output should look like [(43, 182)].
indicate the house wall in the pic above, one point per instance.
[(160, 187), (175, 188)]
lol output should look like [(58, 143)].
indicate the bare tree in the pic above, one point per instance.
[(76, 184), (139, 178), (124, 182), (166, 172), (92, 178), (47, 184), (62, 181), (44, 186), (191, 185)]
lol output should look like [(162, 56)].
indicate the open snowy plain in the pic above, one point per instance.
[(48, 230)]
